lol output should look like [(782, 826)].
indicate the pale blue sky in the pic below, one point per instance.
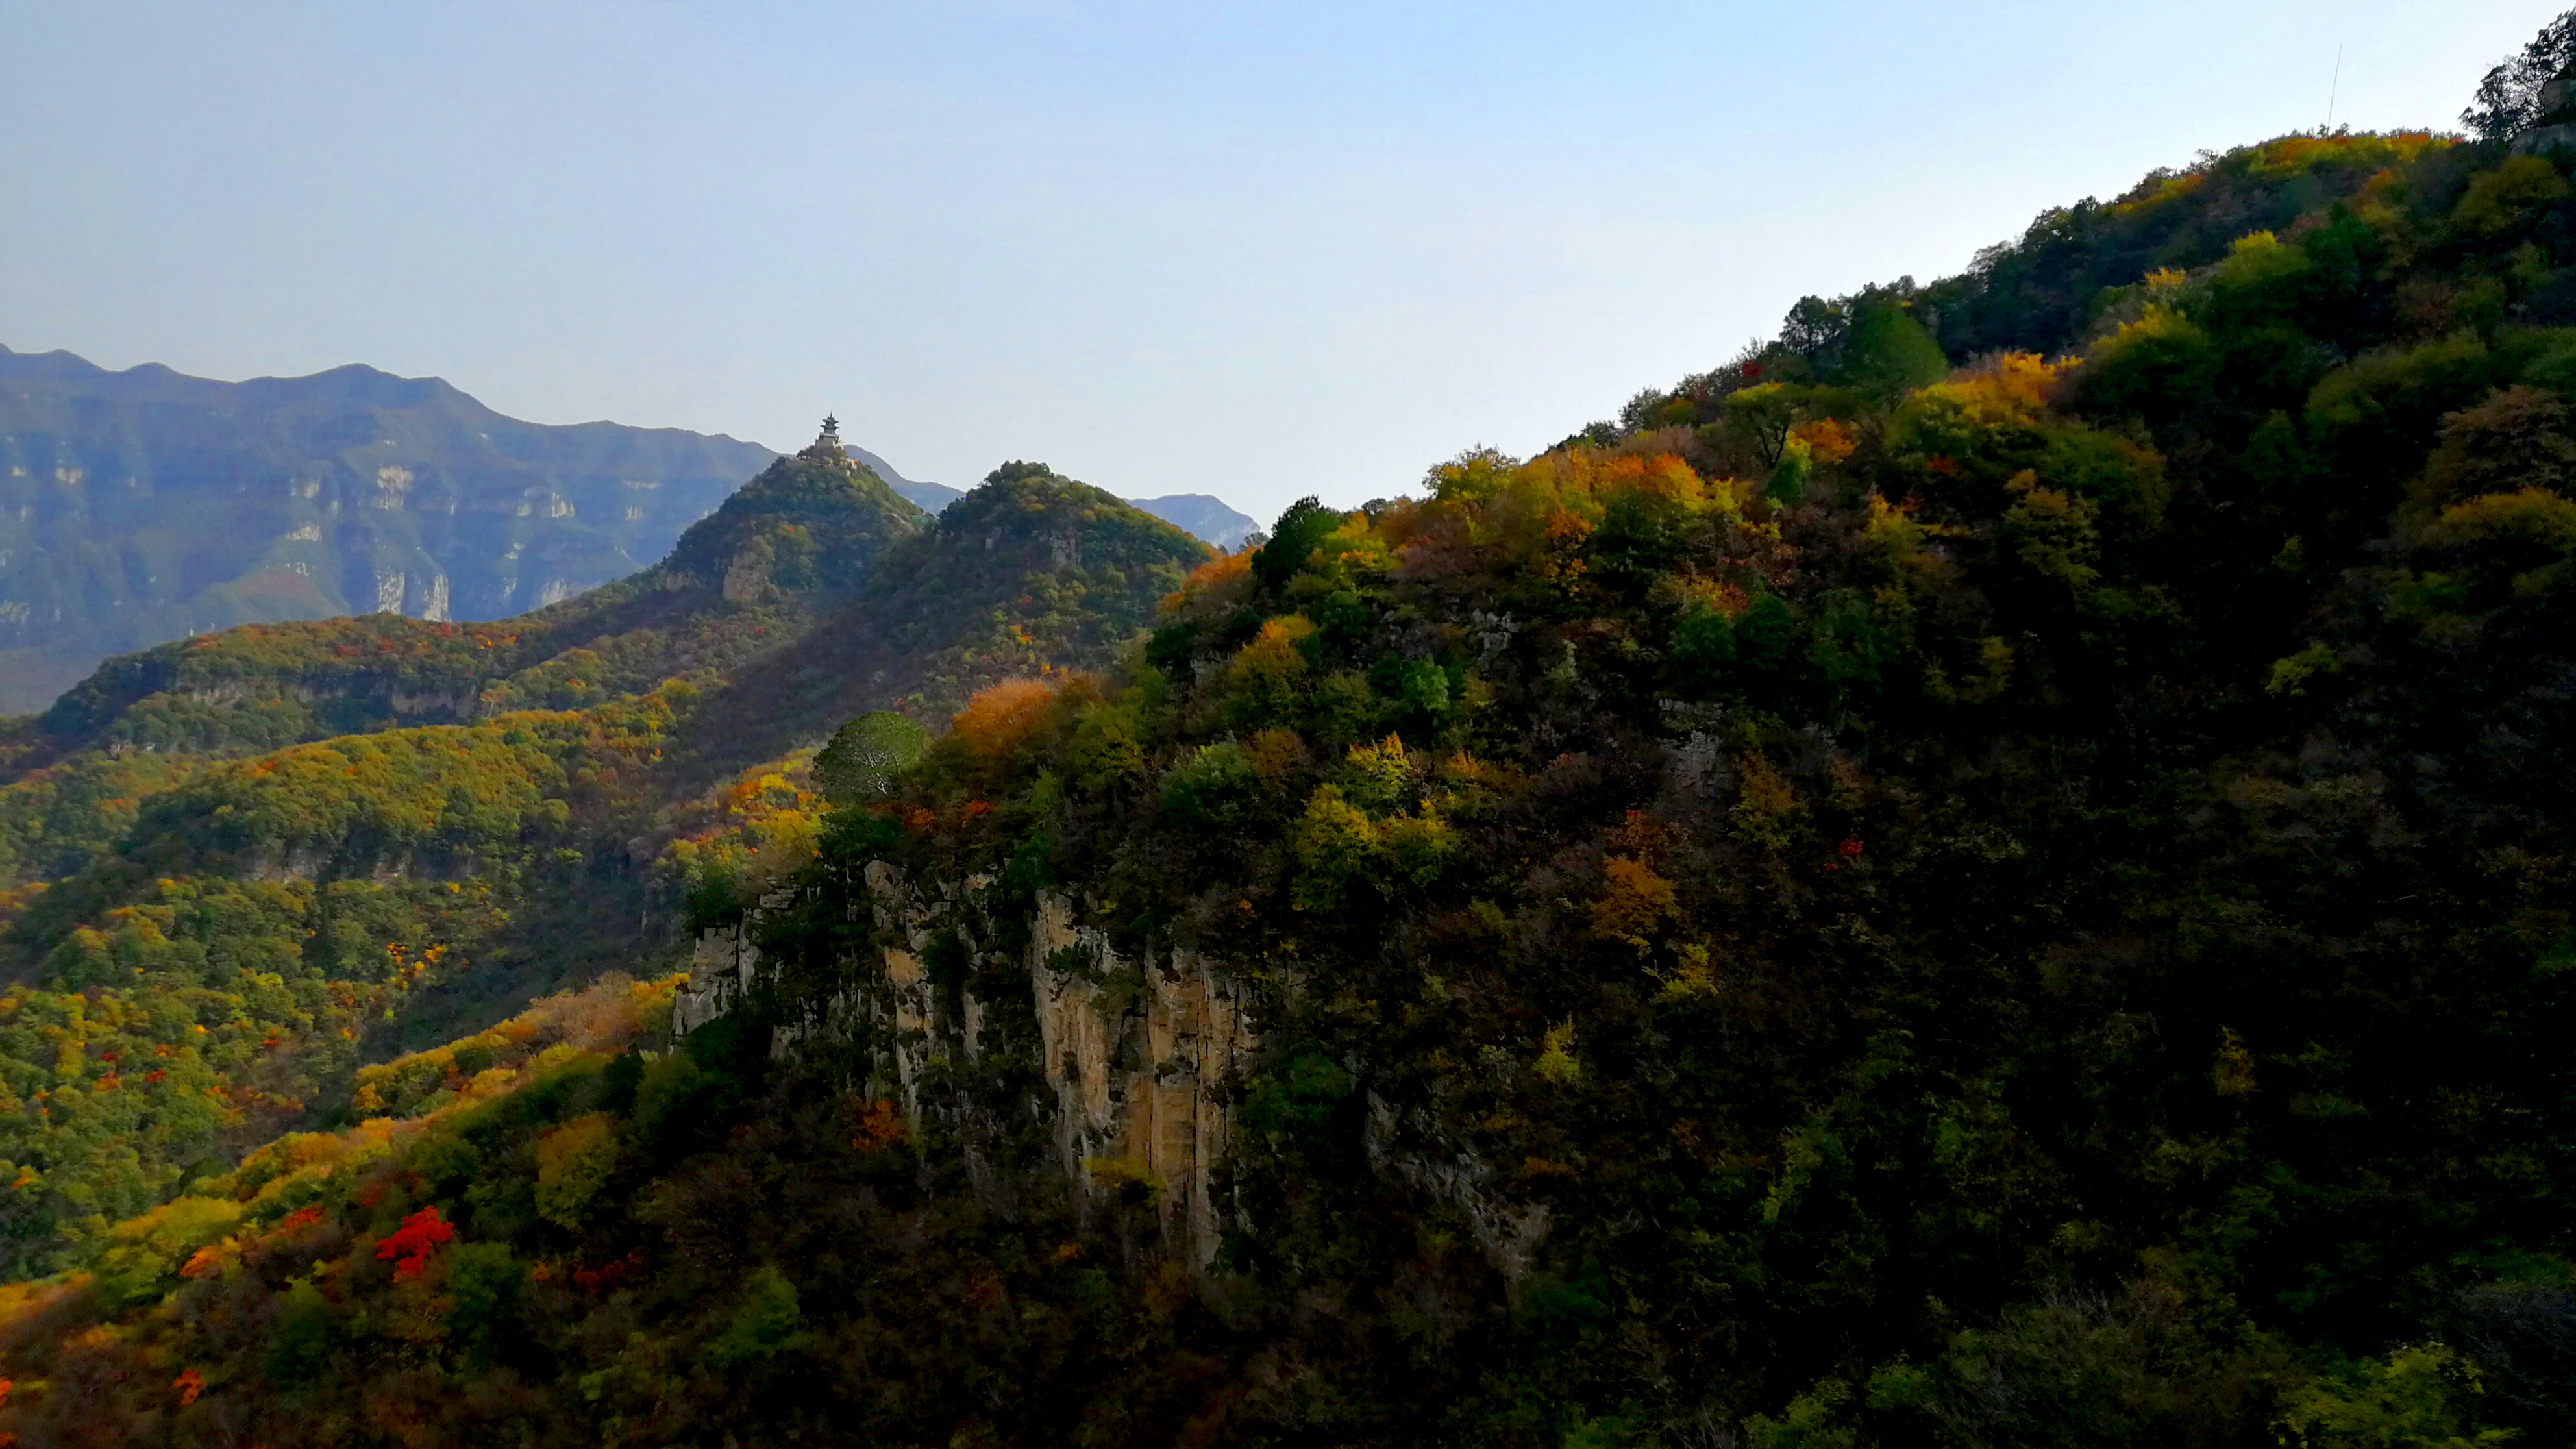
[(1254, 250)]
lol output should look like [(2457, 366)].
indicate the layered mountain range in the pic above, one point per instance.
[(1993, 870), (403, 826), (145, 505)]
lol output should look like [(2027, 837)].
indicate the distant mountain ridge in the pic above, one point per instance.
[(778, 553), (929, 497), (146, 505), (1202, 516)]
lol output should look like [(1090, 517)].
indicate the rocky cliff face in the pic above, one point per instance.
[(1140, 1053)]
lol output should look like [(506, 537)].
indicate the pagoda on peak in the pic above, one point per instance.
[(826, 447)]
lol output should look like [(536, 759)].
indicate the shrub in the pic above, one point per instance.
[(574, 1162)]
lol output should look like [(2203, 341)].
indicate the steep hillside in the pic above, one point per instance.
[(257, 928), (143, 506), (899, 483), (194, 872), (1910, 891), (1887, 898), (1028, 573)]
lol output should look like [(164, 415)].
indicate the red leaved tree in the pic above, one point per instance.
[(409, 1247)]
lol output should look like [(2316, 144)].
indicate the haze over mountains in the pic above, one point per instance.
[(146, 505)]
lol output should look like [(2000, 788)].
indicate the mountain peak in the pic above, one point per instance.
[(813, 521), (356, 382)]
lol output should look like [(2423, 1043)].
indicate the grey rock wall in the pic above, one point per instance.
[(1141, 1053)]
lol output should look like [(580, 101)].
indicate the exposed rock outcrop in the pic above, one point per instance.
[(1141, 1053)]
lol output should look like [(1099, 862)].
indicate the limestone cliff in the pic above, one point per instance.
[(1141, 1053)]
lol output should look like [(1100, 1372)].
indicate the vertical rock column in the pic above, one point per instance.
[(1140, 1077), (1145, 1086)]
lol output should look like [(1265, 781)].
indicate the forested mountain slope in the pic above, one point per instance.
[(1199, 515), (145, 505), (780, 552), (1995, 871), (1026, 573), (263, 856)]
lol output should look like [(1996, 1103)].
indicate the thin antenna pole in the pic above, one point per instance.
[(2335, 90)]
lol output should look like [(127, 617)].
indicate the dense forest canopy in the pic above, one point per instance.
[(1994, 870)]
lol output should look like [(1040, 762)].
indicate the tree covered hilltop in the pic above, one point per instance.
[(1995, 870)]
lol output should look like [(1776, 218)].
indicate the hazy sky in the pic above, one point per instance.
[(1253, 250)]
